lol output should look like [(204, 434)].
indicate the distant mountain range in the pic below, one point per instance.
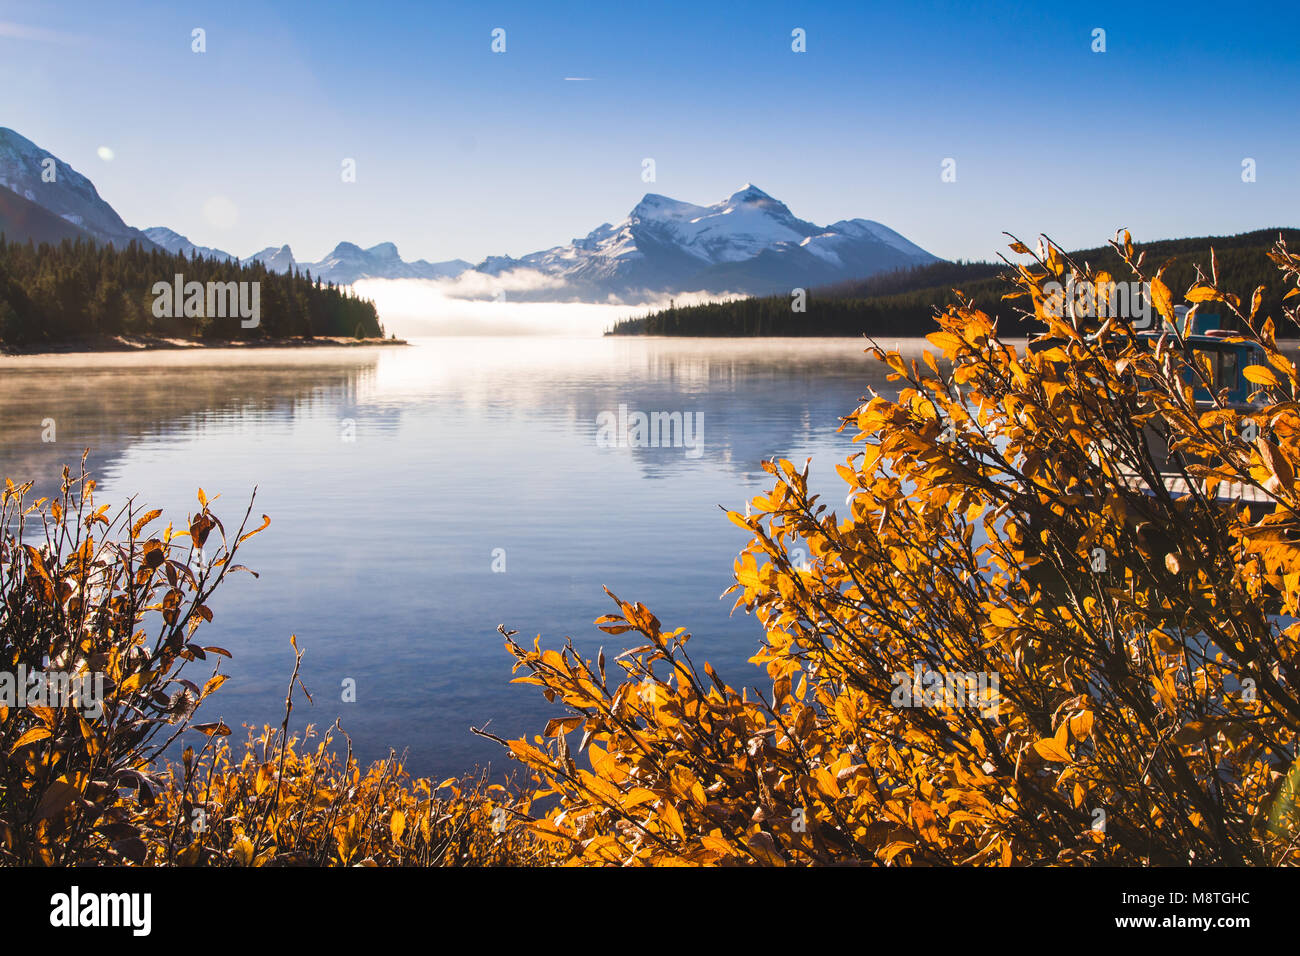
[(748, 243), (349, 262)]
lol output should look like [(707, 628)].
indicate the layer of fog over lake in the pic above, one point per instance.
[(380, 551)]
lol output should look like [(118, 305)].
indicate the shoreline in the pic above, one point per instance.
[(149, 343)]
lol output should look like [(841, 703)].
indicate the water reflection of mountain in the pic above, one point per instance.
[(755, 406), (108, 402), (758, 399)]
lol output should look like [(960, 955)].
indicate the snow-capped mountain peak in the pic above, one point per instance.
[(749, 194), (748, 242), (276, 259)]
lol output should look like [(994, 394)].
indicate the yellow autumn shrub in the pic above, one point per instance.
[(94, 597), (1053, 622), (98, 622), (280, 801)]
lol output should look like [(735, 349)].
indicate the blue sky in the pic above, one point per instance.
[(462, 152)]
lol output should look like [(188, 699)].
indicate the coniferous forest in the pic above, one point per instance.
[(903, 304), (78, 291)]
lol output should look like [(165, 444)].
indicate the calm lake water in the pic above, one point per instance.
[(393, 475)]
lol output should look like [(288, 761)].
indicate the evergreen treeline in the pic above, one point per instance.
[(52, 293), (902, 304)]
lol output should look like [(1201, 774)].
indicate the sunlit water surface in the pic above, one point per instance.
[(393, 475)]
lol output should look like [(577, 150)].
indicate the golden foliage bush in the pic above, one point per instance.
[(89, 784), (96, 595), (284, 803), (1146, 706)]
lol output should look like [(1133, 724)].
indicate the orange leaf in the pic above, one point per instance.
[(1052, 751), (33, 735)]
